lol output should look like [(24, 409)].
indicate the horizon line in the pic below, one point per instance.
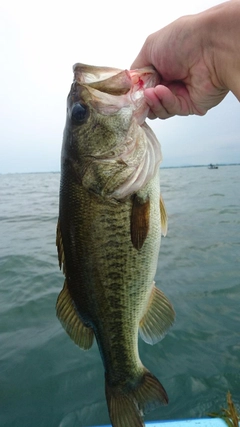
[(162, 167)]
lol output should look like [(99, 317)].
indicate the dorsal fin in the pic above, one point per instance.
[(70, 320), (139, 221), (66, 310), (59, 244)]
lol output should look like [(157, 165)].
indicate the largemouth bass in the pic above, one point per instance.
[(111, 217)]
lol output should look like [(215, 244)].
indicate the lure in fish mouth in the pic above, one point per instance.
[(111, 217)]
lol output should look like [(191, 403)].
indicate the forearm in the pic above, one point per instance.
[(221, 44)]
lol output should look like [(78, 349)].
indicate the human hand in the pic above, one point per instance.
[(187, 56)]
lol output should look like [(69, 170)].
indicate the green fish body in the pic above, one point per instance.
[(111, 217)]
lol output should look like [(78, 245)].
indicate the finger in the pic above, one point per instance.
[(170, 101), (161, 102)]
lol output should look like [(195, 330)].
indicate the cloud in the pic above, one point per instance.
[(40, 43)]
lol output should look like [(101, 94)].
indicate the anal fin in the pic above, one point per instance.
[(82, 335), (158, 317)]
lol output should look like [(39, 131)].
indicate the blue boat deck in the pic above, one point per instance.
[(198, 422)]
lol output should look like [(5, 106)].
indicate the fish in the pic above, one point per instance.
[(111, 218)]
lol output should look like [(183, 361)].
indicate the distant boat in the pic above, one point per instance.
[(211, 166)]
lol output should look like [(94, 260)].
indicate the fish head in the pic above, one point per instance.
[(105, 133)]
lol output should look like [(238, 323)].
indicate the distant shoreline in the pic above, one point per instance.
[(200, 166), (162, 167)]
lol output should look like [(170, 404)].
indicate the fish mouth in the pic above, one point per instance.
[(107, 80), (125, 86)]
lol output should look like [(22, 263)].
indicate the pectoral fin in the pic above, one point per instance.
[(164, 217), (158, 318), (139, 221), (68, 316)]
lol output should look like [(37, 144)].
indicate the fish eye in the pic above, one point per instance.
[(79, 113)]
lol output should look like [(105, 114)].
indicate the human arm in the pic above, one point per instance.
[(198, 59)]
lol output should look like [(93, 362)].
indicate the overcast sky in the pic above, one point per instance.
[(41, 40)]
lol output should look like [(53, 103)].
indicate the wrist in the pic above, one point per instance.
[(221, 44)]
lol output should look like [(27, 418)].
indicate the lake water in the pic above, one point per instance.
[(47, 381)]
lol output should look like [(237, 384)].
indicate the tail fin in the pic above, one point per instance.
[(127, 405)]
